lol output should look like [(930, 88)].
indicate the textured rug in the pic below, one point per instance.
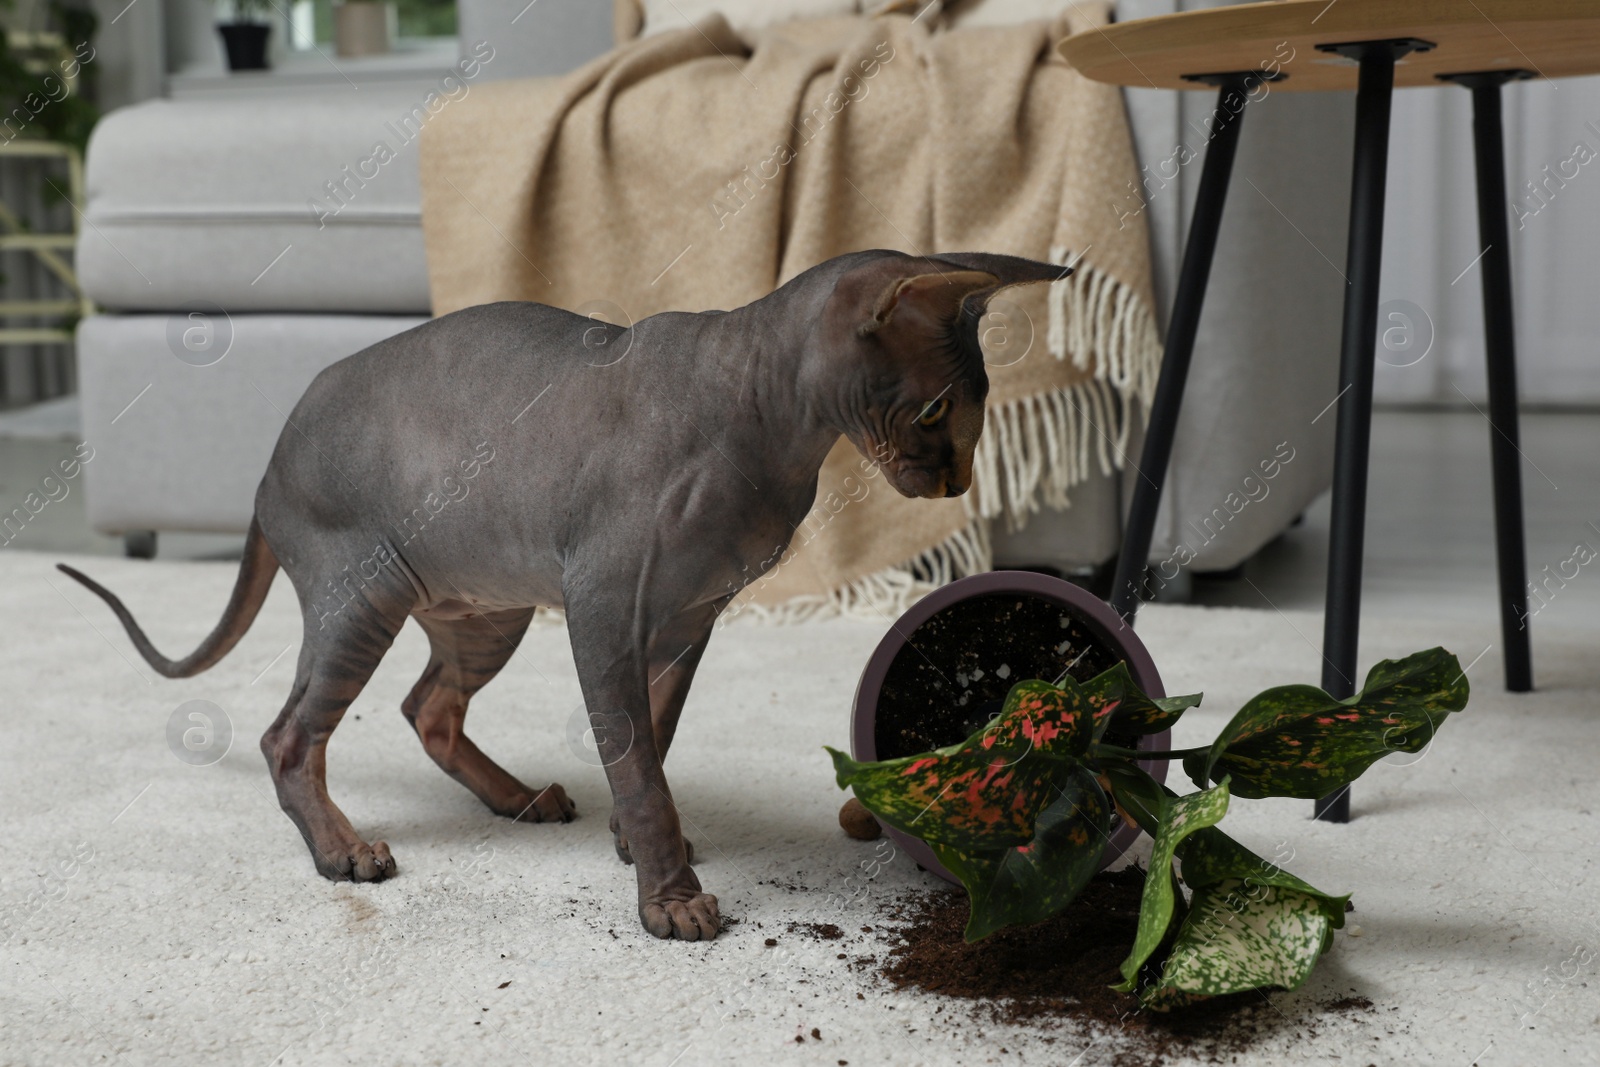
[(161, 911)]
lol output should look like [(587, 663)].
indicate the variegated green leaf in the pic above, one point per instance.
[(1121, 707), (985, 793), (1241, 936), (1211, 856), (1180, 817), (1032, 882), (1208, 856), (1297, 741)]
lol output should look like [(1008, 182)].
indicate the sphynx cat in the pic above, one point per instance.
[(504, 458)]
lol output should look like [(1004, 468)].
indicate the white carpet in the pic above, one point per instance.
[(193, 923)]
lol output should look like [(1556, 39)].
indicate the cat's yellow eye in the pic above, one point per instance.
[(933, 412)]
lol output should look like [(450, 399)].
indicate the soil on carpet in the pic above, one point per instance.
[(817, 931), (953, 675), (1058, 973)]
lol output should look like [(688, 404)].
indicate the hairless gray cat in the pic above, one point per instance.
[(487, 463)]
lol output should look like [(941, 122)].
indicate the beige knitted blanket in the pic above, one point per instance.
[(690, 171)]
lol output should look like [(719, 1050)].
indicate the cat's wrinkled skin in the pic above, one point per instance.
[(512, 456)]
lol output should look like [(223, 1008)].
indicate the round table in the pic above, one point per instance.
[(1371, 46), (1554, 38)]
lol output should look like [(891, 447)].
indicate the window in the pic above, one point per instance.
[(413, 20)]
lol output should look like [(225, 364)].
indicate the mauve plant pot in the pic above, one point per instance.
[(1037, 597), (245, 43)]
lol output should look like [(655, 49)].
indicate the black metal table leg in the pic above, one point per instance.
[(1187, 304), (1364, 263), (1500, 345)]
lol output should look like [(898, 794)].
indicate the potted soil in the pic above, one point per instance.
[(245, 39), (944, 669)]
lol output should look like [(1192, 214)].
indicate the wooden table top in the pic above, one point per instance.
[(1552, 38)]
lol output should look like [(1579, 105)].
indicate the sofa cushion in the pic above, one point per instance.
[(266, 203), (183, 411)]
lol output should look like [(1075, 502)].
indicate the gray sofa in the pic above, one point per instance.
[(224, 288)]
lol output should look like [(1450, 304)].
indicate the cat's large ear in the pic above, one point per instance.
[(1007, 270), (929, 300)]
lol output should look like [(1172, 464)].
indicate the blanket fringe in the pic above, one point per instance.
[(1036, 448), (1098, 321), (887, 593)]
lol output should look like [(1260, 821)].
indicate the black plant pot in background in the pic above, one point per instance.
[(246, 43), (944, 668)]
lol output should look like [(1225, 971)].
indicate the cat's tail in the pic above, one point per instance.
[(256, 572)]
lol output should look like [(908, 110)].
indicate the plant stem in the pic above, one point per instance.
[(1141, 754)]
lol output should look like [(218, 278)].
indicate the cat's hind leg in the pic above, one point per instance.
[(337, 657), (466, 655)]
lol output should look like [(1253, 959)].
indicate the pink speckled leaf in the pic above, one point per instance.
[(1120, 707), (1297, 741), (985, 793), (1032, 882), (957, 797), (1039, 717)]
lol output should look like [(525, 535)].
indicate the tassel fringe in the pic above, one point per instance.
[(1035, 449), (1099, 322), (889, 592)]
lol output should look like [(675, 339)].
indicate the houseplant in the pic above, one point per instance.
[(47, 86), (245, 38), (47, 78), (1019, 813), (944, 668)]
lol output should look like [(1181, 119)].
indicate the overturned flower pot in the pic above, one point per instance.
[(945, 667), (1023, 810)]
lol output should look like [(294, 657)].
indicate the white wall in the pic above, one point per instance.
[(536, 37), (130, 50), (1431, 237), (191, 35)]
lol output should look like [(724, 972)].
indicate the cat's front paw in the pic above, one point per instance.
[(687, 915)]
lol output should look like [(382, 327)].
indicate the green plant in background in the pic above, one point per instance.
[(255, 11), (1020, 812), (426, 18), (46, 86)]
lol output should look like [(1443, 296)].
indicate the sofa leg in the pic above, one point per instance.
[(1178, 589), (139, 544)]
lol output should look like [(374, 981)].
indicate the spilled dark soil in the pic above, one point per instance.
[(1057, 974)]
